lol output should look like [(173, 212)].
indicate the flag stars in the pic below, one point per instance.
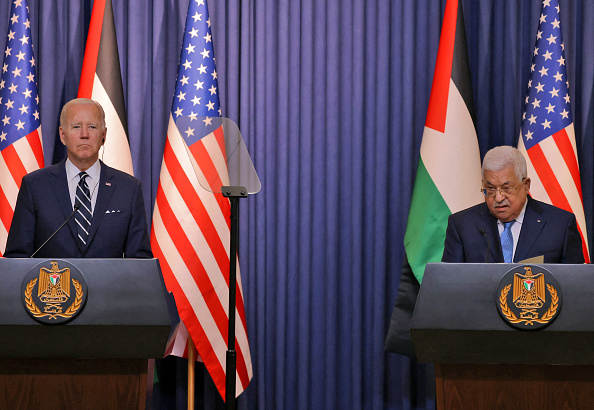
[(11, 35), (24, 40), (564, 114), (556, 23), (27, 23), (558, 76), (552, 39), (18, 3), (187, 64), (550, 108), (197, 17), (194, 33), (16, 72), (6, 120), (535, 51), (214, 74), (2, 84), (32, 62), (7, 51), (535, 103), (208, 38), (532, 119), (210, 105), (199, 85), (20, 125), (538, 35), (27, 93), (196, 100), (546, 124), (202, 69), (20, 56), (9, 104), (528, 135), (205, 53), (179, 112), (31, 77), (546, 3), (190, 48), (13, 88), (184, 80), (213, 90), (14, 19), (207, 121), (181, 96), (190, 132), (24, 109), (539, 87), (36, 115), (548, 55), (3, 136), (543, 18), (554, 92), (5, 68), (561, 61), (566, 98), (543, 71)]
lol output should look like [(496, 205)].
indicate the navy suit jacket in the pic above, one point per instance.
[(546, 230), (118, 228)]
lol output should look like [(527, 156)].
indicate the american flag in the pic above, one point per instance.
[(547, 138), (20, 126), (190, 233)]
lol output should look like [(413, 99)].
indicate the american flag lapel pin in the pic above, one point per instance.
[(108, 183)]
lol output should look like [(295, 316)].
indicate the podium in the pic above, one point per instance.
[(98, 359), (483, 362)]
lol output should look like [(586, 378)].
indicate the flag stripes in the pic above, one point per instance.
[(190, 236)]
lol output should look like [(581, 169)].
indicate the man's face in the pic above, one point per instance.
[(83, 134), (506, 207)]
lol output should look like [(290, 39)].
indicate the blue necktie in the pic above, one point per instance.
[(83, 216), (507, 242)]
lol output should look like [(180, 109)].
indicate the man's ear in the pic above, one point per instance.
[(61, 132)]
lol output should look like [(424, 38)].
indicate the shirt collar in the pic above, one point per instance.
[(72, 171), (520, 219)]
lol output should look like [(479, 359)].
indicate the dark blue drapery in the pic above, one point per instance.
[(331, 98)]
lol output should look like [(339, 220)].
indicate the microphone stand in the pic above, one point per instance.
[(57, 230)]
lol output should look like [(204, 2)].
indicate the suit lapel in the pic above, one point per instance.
[(104, 193), (59, 184), (531, 228), (488, 223)]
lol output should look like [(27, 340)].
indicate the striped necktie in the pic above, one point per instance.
[(507, 242), (83, 216)]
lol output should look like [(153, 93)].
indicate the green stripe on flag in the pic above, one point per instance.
[(427, 222)]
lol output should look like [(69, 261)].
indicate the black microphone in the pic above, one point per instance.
[(484, 233), (57, 230)]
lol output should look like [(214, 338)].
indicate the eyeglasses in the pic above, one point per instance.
[(491, 192)]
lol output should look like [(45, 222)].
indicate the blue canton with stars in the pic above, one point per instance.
[(19, 102), (547, 105), (196, 92)]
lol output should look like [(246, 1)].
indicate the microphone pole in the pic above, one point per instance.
[(57, 230), (484, 233)]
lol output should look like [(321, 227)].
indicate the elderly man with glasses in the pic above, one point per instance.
[(510, 226)]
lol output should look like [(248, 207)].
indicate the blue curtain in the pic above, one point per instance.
[(331, 98)]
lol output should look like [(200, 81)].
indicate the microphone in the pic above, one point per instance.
[(484, 233), (57, 230)]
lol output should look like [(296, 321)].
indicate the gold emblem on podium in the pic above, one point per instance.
[(52, 294), (527, 299)]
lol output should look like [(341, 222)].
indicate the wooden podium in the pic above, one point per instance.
[(97, 360), (483, 362)]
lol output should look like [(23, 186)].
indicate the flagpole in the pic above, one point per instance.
[(191, 372), (234, 193)]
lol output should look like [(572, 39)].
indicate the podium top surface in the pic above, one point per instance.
[(456, 318)]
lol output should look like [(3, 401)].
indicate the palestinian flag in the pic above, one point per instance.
[(101, 80), (449, 171)]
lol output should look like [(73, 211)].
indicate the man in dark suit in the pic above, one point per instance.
[(510, 226), (104, 207)]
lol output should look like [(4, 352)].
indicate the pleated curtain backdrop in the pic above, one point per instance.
[(331, 98)]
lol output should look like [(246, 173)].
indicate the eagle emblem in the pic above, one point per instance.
[(528, 300), (59, 295)]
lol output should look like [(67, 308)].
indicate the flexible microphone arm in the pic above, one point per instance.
[(484, 233), (57, 230)]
